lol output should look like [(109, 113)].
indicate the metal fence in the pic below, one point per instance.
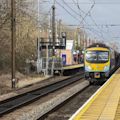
[(48, 65)]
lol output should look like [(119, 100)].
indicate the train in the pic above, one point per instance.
[(99, 62)]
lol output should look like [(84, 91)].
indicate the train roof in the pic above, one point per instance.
[(99, 45), (103, 46)]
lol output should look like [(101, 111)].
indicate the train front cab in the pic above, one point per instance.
[(97, 64)]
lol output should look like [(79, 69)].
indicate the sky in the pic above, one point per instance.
[(102, 21)]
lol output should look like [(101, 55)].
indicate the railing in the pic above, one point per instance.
[(48, 65)]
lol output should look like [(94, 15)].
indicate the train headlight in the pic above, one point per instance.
[(106, 68), (88, 68)]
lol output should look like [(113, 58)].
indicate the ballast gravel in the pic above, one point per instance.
[(39, 110)]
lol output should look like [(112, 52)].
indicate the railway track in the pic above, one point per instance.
[(70, 106), (66, 109), (16, 102)]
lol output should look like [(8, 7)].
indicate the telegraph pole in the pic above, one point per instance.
[(59, 31), (13, 40), (38, 30), (53, 28)]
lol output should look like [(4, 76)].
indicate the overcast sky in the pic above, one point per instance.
[(102, 22)]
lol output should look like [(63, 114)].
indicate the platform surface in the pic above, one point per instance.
[(70, 67), (73, 66), (104, 104)]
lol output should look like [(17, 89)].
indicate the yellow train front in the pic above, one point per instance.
[(99, 61)]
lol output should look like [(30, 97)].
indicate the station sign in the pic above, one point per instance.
[(63, 39)]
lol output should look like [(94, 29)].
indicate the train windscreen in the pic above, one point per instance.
[(97, 56)]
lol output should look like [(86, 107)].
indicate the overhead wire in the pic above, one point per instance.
[(72, 9), (67, 11), (78, 6), (92, 6), (87, 3), (95, 24), (101, 25), (83, 19), (86, 14)]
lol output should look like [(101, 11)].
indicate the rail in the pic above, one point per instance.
[(31, 96)]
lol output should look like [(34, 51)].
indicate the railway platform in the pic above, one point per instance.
[(73, 67), (104, 104), (66, 70)]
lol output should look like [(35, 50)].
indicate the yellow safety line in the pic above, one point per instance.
[(84, 108), (73, 66), (117, 116)]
